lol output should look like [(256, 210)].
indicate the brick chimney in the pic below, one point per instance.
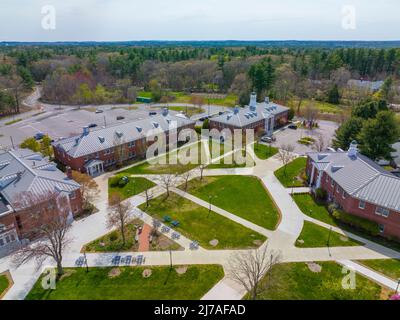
[(68, 172)]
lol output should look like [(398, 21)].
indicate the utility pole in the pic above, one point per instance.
[(105, 122)]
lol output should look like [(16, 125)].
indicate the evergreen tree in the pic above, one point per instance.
[(334, 95)]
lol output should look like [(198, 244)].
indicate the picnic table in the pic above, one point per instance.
[(167, 219), (175, 223)]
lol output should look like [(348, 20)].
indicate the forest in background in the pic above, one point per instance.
[(95, 73)]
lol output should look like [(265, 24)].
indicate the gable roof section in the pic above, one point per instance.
[(246, 116), (105, 138), (361, 178), (30, 172)]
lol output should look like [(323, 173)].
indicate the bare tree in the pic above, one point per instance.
[(320, 143), (286, 155), (89, 188), (185, 177), (120, 150), (311, 114), (50, 214), (248, 268), (119, 214), (167, 181), (201, 170), (149, 195)]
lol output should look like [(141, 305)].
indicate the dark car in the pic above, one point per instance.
[(292, 126), (99, 111), (92, 125), (39, 136), (152, 113), (120, 118)]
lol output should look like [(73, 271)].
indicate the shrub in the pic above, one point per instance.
[(118, 181), (356, 222), (198, 129), (321, 194)]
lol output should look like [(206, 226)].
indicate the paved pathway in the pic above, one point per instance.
[(282, 239)]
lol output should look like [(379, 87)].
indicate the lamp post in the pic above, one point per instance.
[(170, 259), (329, 240), (86, 263), (209, 202), (398, 285)]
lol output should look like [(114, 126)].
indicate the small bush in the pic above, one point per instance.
[(321, 194), (114, 181), (123, 181), (356, 222)]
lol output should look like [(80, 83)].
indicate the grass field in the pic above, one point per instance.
[(315, 236), (388, 267), (290, 175), (264, 152), (3, 284), (136, 185), (163, 284), (112, 242), (170, 163), (189, 111), (200, 224), (323, 107), (295, 281), (241, 195), (318, 211)]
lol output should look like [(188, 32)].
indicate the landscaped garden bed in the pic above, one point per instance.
[(129, 283)]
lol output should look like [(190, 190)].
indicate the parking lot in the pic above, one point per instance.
[(289, 136)]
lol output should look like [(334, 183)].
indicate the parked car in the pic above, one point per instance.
[(39, 136), (120, 118), (292, 126), (99, 111), (92, 125), (152, 113), (268, 139)]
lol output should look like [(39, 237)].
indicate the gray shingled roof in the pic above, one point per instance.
[(105, 138), (245, 116), (23, 170), (360, 177)]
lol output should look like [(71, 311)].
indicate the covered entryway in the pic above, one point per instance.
[(94, 168)]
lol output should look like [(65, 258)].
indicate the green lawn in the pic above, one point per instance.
[(317, 211), (166, 163), (12, 122), (112, 242), (264, 152), (189, 111), (3, 284), (291, 174), (243, 196), (295, 281), (229, 162), (323, 107), (315, 236), (197, 223), (163, 284), (307, 204), (388, 267), (136, 185)]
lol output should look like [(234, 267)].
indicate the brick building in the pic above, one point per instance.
[(359, 186), (94, 151), (265, 117), (25, 174)]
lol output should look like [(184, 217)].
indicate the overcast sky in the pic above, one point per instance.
[(118, 20)]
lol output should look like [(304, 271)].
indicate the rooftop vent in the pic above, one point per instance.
[(322, 156), (119, 134), (101, 139), (156, 124), (86, 130), (236, 110), (336, 168), (139, 129)]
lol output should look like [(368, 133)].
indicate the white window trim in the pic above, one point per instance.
[(360, 206)]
